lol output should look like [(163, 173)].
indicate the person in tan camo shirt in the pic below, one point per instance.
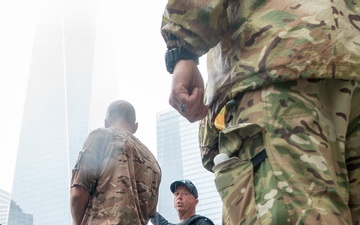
[(116, 178)]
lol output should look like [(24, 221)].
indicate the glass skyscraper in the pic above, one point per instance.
[(62, 97), (179, 157), (4, 206)]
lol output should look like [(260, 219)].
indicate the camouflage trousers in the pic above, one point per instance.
[(294, 152)]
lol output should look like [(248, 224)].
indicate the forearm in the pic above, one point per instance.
[(79, 201), (160, 220)]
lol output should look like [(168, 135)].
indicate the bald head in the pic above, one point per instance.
[(120, 113)]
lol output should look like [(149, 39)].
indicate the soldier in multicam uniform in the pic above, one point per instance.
[(280, 119), (116, 178)]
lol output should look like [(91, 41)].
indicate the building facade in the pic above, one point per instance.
[(61, 99), (4, 206), (179, 157), (18, 217)]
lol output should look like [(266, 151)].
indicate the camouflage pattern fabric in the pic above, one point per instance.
[(310, 130), (122, 177), (254, 43), (284, 62)]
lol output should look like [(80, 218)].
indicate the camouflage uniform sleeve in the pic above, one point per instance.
[(86, 169), (194, 24)]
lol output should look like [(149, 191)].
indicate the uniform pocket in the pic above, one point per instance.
[(234, 182)]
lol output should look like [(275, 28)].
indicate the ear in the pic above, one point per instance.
[(135, 127), (106, 123)]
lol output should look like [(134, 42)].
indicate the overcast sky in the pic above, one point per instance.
[(17, 22), (18, 19)]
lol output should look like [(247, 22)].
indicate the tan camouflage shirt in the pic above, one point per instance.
[(122, 177), (253, 43)]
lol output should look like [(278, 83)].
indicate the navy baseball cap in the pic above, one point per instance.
[(185, 183)]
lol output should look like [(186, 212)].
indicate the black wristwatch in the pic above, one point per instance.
[(172, 56)]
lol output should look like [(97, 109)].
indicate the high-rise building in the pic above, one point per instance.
[(179, 157), (4, 206), (18, 217), (62, 96)]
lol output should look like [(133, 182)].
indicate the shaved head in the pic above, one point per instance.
[(121, 110)]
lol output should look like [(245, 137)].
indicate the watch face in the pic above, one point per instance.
[(172, 56), (168, 62)]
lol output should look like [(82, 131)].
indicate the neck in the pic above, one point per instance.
[(185, 215), (123, 125)]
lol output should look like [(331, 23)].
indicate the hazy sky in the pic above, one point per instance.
[(18, 20), (138, 27)]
